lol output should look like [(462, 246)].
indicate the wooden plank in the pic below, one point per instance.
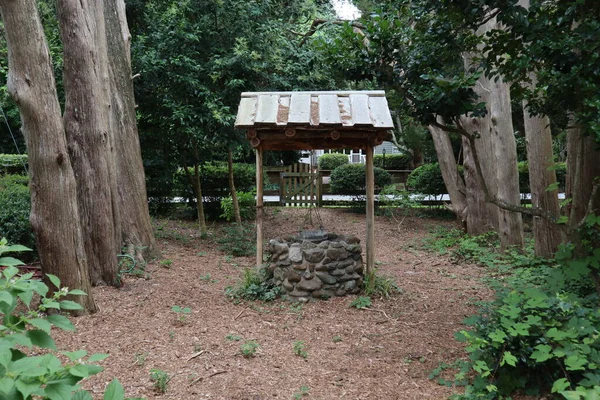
[(345, 111), (329, 110), (376, 93), (380, 113), (320, 189), (359, 103), (267, 108), (370, 242), (246, 112), (299, 108), (281, 189), (259, 206), (283, 110)]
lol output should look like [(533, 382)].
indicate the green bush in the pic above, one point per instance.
[(13, 164), (246, 202), (392, 161), (30, 367), (15, 205), (561, 176), (238, 241), (256, 284), (330, 161), (427, 179), (351, 179)]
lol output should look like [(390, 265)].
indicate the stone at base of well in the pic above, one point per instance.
[(306, 270)]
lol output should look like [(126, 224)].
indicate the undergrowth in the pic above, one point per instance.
[(256, 284), (540, 335), (237, 241)]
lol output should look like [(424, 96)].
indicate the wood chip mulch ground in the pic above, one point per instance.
[(386, 352)]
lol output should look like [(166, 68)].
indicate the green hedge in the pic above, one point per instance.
[(330, 161), (13, 164), (561, 176), (15, 206), (427, 179), (392, 161), (351, 179)]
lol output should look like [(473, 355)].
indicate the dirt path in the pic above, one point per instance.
[(384, 353)]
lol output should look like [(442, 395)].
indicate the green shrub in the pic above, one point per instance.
[(392, 161), (15, 205), (561, 175), (238, 241), (351, 179), (29, 366), (330, 161), (427, 179), (13, 164), (246, 202), (256, 284)]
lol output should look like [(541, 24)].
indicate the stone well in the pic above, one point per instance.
[(316, 269)]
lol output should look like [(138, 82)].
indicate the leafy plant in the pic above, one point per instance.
[(237, 241), (427, 179), (361, 302), (392, 161), (182, 313), (382, 286), (304, 391), (160, 378), (246, 202), (249, 348), (233, 337), (254, 285), (337, 339), (330, 161), (140, 358), (300, 349), (15, 205), (351, 179), (166, 263), (25, 326)]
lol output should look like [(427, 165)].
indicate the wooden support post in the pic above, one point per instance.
[(319, 189), (259, 206), (370, 271)]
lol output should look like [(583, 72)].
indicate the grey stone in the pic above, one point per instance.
[(338, 272), (331, 287), (295, 254), (340, 292), (279, 274), (284, 263), (302, 299), (309, 285), (314, 255), (276, 247), (321, 267), (356, 290), (307, 244), (326, 278), (346, 262), (299, 293), (326, 260), (352, 239), (287, 285), (358, 267), (334, 253), (336, 245), (349, 285), (323, 294), (357, 256), (293, 276), (284, 259), (324, 244), (350, 269), (348, 277), (300, 267), (353, 248)]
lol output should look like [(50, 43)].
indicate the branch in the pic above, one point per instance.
[(319, 22), (590, 207)]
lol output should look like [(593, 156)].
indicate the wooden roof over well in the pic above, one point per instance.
[(314, 120)]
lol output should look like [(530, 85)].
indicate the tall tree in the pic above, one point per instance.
[(54, 208)]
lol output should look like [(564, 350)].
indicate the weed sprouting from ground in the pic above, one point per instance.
[(237, 240), (254, 285)]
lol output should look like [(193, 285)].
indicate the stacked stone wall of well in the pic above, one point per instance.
[(307, 270)]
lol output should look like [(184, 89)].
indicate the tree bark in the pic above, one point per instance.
[(54, 210), (538, 137), (234, 199), (452, 179), (199, 197), (86, 120), (135, 228)]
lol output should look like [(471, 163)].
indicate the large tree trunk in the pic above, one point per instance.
[(582, 170), (234, 199), (135, 228), (455, 184), (54, 211), (496, 145), (86, 120)]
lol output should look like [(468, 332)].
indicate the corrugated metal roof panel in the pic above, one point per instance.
[(347, 109)]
